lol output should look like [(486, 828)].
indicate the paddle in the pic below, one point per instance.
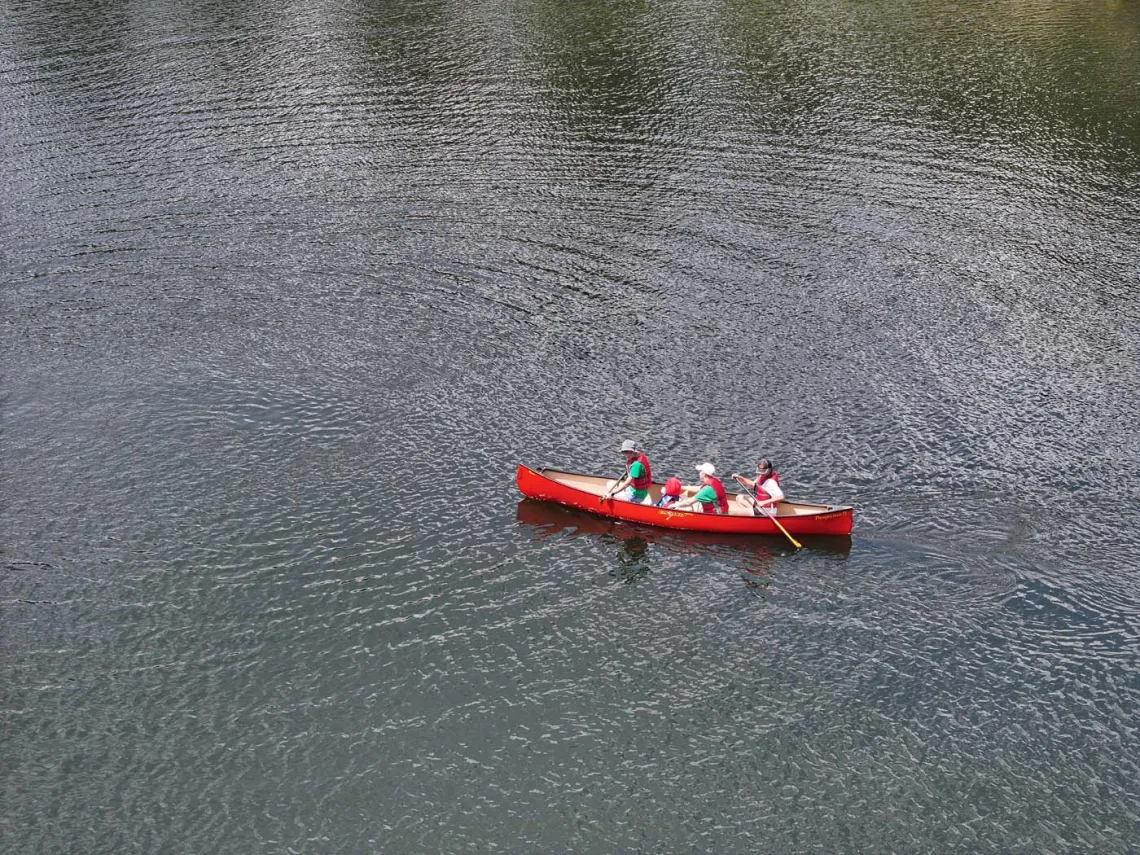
[(771, 515), (609, 494)]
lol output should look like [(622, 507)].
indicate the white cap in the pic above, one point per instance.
[(707, 469), (629, 445)]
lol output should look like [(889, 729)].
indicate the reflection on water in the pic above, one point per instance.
[(632, 555), (636, 545)]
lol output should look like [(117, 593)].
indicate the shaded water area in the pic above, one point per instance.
[(289, 289)]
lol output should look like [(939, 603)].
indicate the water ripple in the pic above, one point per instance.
[(287, 297)]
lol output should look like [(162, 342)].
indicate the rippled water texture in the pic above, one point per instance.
[(289, 290)]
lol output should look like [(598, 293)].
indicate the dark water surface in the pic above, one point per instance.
[(289, 289)]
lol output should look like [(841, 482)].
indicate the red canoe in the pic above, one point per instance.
[(585, 491)]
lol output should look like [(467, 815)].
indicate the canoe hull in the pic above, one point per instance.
[(584, 492)]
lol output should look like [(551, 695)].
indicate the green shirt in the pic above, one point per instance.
[(706, 494), (636, 470)]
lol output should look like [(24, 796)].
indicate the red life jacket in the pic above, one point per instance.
[(720, 506), (761, 493), (646, 480)]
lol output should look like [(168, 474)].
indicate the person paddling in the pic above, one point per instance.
[(634, 485), (711, 496), (766, 485)]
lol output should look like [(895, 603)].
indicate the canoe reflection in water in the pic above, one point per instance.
[(755, 553)]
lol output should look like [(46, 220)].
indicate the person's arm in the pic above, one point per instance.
[(683, 500), (747, 482), (704, 494), (625, 480), (616, 488)]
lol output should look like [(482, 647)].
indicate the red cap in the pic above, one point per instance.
[(673, 487)]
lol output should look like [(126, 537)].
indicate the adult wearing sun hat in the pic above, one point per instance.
[(767, 486), (711, 496), (634, 485)]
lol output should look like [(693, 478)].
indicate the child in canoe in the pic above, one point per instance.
[(670, 493)]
